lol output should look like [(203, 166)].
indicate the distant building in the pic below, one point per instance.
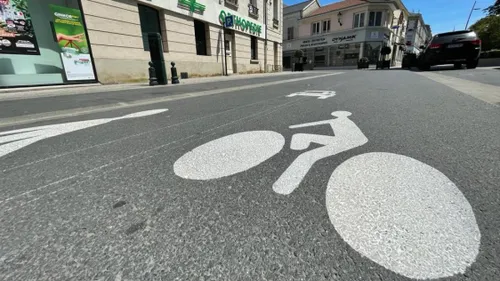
[(291, 17), (341, 33), (429, 30), (417, 33)]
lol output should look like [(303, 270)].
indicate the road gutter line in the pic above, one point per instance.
[(484, 92), (46, 116)]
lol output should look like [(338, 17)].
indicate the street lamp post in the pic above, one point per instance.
[(470, 14)]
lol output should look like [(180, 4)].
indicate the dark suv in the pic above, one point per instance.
[(455, 48)]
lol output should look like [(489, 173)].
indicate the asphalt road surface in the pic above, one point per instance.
[(399, 181)]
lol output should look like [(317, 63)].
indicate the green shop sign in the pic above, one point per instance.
[(242, 24), (192, 6)]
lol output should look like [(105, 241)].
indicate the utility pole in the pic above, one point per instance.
[(224, 47), (473, 6)]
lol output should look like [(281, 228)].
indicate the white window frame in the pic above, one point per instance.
[(375, 18), (361, 23), (327, 24), (316, 26), (290, 35)]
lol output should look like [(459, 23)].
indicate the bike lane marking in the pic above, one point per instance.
[(347, 136), (399, 212), (320, 94), (404, 215), (229, 155), (11, 141)]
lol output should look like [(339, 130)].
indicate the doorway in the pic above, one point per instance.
[(229, 51)]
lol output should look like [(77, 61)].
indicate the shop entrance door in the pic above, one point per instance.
[(320, 57), (351, 54), (337, 55), (229, 49)]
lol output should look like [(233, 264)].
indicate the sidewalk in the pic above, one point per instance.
[(64, 90)]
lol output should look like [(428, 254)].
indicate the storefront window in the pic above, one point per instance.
[(42, 43), (320, 57), (372, 51)]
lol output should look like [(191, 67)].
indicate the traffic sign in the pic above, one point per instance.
[(229, 21)]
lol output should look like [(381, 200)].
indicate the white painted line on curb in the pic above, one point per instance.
[(484, 92), (26, 119)]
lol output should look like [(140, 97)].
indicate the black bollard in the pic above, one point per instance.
[(175, 78), (152, 75)]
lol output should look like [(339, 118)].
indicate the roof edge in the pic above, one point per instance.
[(349, 7)]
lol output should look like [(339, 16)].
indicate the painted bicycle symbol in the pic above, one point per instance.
[(395, 210)]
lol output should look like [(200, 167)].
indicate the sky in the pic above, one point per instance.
[(442, 15)]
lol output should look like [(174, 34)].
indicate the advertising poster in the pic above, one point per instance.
[(70, 35), (17, 35)]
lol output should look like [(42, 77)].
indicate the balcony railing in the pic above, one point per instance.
[(253, 11)]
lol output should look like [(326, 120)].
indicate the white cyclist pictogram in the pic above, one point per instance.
[(395, 210)]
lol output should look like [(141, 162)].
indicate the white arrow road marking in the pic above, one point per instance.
[(404, 215), (320, 94), (11, 141)]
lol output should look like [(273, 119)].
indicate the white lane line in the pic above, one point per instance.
[(99, 168), (26, 119), (485, 92), (136, 135), (83, 89), (17, 139)]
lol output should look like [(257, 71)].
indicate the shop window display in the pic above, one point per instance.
[(43, 43)]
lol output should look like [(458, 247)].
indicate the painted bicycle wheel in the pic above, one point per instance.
[(229, 155), (404, 215)]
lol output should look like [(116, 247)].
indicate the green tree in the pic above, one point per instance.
[(488, 30), (298, 54), (493, 9)]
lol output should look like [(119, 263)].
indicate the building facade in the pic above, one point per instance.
[(417, 33), (291, 18), (341, 33), (116, 48)]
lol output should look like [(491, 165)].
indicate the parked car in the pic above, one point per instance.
[(409, 60), (457, 48)]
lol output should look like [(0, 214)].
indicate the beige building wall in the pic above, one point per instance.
[(115, 36), (274, 33)]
